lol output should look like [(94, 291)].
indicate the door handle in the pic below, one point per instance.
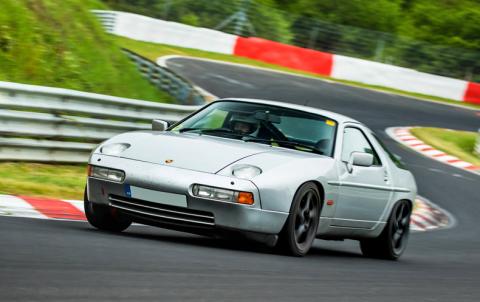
[(385, 175)]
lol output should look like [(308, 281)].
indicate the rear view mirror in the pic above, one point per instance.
[(267, 117), (159, 125), (359, 159)]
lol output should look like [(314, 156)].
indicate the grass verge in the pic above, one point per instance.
[(457, 143), (153, 51), (62, 44), (48, 180)]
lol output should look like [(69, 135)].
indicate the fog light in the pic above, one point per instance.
[(106, 173), (222, 194)]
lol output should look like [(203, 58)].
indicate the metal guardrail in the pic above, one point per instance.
[(175, 85), (107, 18), (60, 125), (65, 101)]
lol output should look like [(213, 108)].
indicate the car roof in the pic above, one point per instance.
[(328, 114)]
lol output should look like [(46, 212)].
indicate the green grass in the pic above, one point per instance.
[(61, 44), (154, 51), (48, 180), (457, 143)]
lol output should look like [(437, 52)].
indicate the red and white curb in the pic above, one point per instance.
[(426, 216), (41, 207), (405, 137)]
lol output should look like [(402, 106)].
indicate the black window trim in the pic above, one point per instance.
[(368, 141)]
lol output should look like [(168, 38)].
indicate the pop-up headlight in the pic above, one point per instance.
[(246, 171), (114, 149)]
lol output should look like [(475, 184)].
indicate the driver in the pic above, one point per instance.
[(243, 124)]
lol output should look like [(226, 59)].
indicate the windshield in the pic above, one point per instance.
[(265, 124)]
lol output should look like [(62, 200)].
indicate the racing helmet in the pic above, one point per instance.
[(243, 124)]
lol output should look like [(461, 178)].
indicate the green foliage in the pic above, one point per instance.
[(444, 22), (265, 19), (440, 37), (62, 45), (380, 15), (450, 35)]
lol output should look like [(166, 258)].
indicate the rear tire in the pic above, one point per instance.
[(104, 217), (301, 227), (392, 242)]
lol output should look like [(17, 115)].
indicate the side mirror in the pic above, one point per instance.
[(159, 125), (359, 159)]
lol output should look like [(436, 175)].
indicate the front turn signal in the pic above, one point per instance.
[(245, 198)]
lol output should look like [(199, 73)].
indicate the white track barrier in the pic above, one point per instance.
[(374, 73), (346, 68), (158, 31)]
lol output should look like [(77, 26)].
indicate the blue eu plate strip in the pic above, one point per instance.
[(128, 191)]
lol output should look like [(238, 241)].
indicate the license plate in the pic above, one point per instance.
[(172, 199)]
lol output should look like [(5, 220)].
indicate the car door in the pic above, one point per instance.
[(365, 191)]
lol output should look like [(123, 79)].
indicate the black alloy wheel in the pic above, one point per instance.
[(392, 242), (302, 224)]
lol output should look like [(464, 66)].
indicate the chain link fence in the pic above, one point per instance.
[(250, 18)]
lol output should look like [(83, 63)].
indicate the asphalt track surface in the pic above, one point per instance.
[(54, 260)]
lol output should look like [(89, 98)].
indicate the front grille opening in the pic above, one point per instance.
[(161, 212)]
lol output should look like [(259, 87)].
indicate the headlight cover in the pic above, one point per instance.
[(246, 171), (114, 149)]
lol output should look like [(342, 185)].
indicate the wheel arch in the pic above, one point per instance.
[(412, 204), (320, 189)]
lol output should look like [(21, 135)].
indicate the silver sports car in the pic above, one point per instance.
[(278, 173)]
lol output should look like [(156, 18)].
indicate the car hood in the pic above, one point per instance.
[(186, 150)]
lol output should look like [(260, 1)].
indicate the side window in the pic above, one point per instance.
[(355, 141), (396, 160)]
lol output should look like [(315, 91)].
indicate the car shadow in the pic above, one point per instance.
[(235, 243)]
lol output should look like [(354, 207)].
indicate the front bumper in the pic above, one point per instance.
[(162, 178)]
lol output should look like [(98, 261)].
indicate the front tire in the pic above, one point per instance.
[(392, 242), (301, 227), (104, 217)]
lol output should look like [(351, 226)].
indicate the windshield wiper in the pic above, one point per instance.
[(206, 130), (227, 131), (283, 142)]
